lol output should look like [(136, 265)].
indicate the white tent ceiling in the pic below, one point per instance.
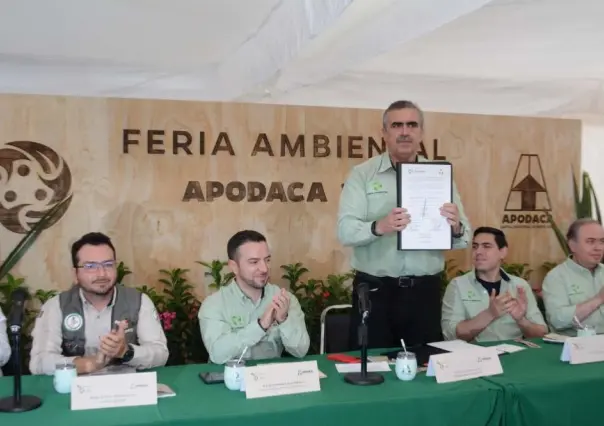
[(517, 57)]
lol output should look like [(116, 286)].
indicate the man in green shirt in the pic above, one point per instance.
[(486, 304), (404, 285), (250, 314), (573, 292)]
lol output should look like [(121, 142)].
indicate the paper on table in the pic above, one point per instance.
[(554, 338), (164, 391), (423, 188), (506, 348), (454, 345), (356, 368)]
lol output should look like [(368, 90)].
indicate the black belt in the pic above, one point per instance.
[(405, 281)]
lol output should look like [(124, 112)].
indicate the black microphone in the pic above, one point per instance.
[(15, 319), (363, 294)]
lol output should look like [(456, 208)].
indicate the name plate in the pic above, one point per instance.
[(583, 350), (464, 365), (281, 379), (115, 390)]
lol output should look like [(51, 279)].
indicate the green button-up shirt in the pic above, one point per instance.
[(566, 286), (368, 195), (465, 297), (228, 320)]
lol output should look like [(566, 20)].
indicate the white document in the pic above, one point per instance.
[(583, 350), (423, 188), (506, 348), (281, 379), (464, 365), (356, 368), (454, 345), (114, 390)]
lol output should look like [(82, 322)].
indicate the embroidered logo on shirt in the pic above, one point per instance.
[(73, 322), (237, 321), (575, 289), (375, 187)]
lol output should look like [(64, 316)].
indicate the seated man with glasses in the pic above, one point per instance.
[(97, 322)]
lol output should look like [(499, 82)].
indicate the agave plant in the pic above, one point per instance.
[(27, 241), (586, 205)]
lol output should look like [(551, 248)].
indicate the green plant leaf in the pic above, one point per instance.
[(26, 242)]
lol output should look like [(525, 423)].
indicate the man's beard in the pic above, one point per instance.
[(97, 292), (253, 284)]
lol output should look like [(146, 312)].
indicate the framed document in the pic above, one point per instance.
[(422, 188)]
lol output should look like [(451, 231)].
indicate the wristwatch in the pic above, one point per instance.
[(460, 234), (373, 231), (128, 355)]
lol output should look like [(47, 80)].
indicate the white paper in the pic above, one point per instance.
[(506, 348), (356, 368), (555, 338), (583, 350), (464, 365), (164, 391), (114, 390), (423, 189), (454, 345), (281, 379)]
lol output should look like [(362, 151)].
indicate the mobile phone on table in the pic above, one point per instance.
[(212, 378)]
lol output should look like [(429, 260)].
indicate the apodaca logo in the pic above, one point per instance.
[(33, 178)]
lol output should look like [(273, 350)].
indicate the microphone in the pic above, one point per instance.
[(15, 319), (363, 294)]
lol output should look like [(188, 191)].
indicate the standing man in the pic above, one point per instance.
[(574, 290), (77, 324), (249, 314), (487, 304), (405, 286)]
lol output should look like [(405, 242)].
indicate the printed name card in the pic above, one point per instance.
[(281, 379), (464, 365), (583, 350), (114, 390)]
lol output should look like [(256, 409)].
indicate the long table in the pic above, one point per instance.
[(419, 402), (539, 389)]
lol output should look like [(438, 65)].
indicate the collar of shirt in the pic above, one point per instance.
[(490, 285), (575, 267), (387, 164), (244, 297)]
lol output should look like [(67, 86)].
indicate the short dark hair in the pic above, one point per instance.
[(575, 227), (93, 239), (240, 238), (404, 104), (495, 232)]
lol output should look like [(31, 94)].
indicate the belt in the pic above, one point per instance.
[(404, 281)]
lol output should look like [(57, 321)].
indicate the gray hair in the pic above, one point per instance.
[(575, 227), (403, 105)]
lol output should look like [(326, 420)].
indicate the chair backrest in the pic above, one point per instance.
[(335, 321)]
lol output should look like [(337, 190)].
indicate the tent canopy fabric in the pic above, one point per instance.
[(510, 57)]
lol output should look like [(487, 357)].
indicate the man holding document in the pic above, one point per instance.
[(399, 220)]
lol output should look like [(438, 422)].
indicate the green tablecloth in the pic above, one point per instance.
[(420, 402), (539, 389)]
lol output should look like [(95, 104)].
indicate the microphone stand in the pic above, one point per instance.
[(18, 403), (364, 378)]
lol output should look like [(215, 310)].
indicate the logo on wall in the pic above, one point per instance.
[(528, 204), (33, 178)]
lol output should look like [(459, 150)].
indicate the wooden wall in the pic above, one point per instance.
[(133, 178)]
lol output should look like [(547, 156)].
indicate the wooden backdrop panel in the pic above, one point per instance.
[(134, 191)]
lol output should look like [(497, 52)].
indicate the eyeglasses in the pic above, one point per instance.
[(95, 266)]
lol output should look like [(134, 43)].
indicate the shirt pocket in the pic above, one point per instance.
[(473, 306), (379, 203), (576, 298)]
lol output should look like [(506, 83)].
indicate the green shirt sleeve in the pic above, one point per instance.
[(294, 335), (464, 240), (221, 341), (558, 309), (353, 229), (453, 311)]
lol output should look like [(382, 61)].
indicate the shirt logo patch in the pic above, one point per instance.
[(375, 187), (237, 321), (73, 322), (575, 289)]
